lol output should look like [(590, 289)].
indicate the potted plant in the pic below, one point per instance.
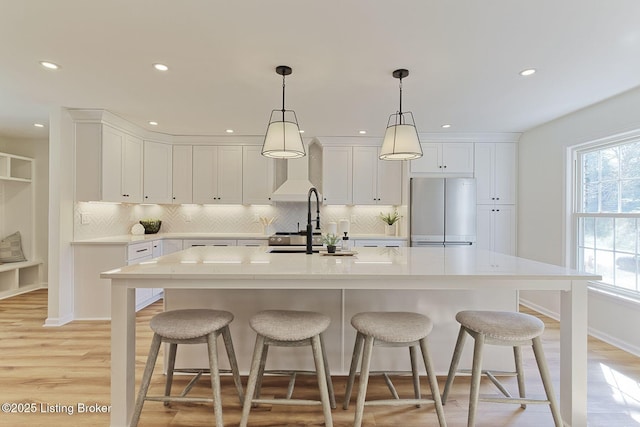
[(390, 220), (331, 240)]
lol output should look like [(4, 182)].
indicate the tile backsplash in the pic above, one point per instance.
[(94, 220)]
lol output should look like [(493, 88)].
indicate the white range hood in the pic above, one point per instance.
[(296, 187)]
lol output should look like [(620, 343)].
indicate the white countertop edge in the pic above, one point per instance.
[(126, 239)]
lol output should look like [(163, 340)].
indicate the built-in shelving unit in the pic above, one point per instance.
[(17, 214), (15, 168)]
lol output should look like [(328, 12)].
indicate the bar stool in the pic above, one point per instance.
[(506, 329), (391, 329), (189, 326), (289, 328)]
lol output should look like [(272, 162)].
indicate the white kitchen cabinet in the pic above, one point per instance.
[(208, 242), (158, 165), (170, 246), (108, 164), (141, 252), (182, 174), (121, 166), (258, 176), (495, 172), (375, 181), (444, 158), (337, 171), (217, 174), (496, 228)]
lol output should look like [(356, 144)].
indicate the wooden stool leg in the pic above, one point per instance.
[(476, 374), (546, 381), (146, 378), (251, 383), (457, 352), (231, 354), (171, 364), (357, 351), (214, 369), (433, 382), (414, 373), (263, 362), (364, 380), (327, 371), (517, 355), (316, 346)]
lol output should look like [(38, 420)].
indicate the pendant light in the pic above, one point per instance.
[(283, 139), (401, 137)]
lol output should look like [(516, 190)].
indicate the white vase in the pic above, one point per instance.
[(390, 230)]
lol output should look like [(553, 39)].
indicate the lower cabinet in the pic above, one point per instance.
[(141, 252), (496, 228), (380, 243)]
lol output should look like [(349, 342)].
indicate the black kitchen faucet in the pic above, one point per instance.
[(317, 220)]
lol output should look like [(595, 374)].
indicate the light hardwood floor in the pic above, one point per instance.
[(59, 368)]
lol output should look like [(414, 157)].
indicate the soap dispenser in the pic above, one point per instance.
[(346, 243)]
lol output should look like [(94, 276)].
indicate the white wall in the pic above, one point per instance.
[(541, 204)]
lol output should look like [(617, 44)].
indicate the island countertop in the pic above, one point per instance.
[(373, 278), (368, 263)]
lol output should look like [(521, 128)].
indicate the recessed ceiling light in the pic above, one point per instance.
[(49, 65), (38, 125), (229, 131), (362, 132), (152, 123), (446, 126), (528, 72), (160, 67)]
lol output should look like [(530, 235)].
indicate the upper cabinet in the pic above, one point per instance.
[(375, 181), (495, 172), (182, 185), (258, 177), (158, 166), (445, 157), (337, 171), (118, 158), (217, 174)]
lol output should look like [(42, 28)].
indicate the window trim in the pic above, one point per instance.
[(573, 204)]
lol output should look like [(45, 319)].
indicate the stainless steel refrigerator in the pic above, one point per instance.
[(443, 211)]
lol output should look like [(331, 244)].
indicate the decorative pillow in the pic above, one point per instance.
[(11, 248)]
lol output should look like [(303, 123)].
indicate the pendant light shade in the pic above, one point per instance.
[(401, 140), (282, 139)]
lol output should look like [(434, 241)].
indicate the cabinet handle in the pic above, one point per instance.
[(142, 250), (445, 166), (440, 167), (497, 198), (174, 197), (493, 198), (146, 197)]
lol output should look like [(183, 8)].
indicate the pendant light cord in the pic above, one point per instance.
[(283, 86), (400, 112)]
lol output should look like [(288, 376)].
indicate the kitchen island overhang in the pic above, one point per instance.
[(385, 270)]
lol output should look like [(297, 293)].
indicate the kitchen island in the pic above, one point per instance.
[(319, 281)]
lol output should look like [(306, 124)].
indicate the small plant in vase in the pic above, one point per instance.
[(390, 220), (331, 240)]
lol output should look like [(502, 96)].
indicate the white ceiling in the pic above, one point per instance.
[(464, 58)]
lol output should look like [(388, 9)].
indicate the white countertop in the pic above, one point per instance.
[(125, 239), (251, 263)]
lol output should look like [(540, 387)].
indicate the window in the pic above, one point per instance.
[(607, 211)]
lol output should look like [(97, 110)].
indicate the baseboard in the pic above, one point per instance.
[(602, 336), (58, 321)]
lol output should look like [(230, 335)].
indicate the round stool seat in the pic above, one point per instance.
[(289, 325), (390, 326), (502, 325), (189, 323)]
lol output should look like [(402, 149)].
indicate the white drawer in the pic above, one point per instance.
[(139, 250)]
